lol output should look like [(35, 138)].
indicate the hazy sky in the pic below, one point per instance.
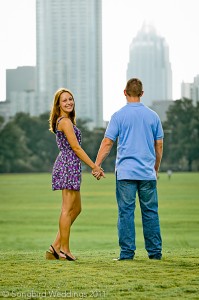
[(175, 20)]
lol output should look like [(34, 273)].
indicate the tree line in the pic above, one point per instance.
[(181, 142), (27, 145)]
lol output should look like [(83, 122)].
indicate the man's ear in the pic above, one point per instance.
[(142, 94), (125, 94)]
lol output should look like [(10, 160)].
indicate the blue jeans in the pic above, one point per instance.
[(126, 196)]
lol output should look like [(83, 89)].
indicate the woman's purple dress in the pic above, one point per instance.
[(67, 167)]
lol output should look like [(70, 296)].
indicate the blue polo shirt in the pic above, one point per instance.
[(136, 127)]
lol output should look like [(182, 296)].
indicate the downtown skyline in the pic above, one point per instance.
[(175, 20)]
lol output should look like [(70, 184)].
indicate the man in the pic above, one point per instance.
[(139, 151)]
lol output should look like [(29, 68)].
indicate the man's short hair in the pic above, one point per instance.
[(134, 87)]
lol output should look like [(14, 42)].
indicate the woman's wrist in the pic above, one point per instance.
[(93, 166)]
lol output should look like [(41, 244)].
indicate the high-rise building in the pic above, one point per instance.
[(20, 79), (5, 111), (196, 89), (69, 54), (149, 61), (20, 90), (191, 90), (187, 90), (161, 108)]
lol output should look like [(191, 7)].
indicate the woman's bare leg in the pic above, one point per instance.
[(56, 243), (71, 207), (76, 209)]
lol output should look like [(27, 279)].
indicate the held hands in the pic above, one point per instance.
[(98, 172)]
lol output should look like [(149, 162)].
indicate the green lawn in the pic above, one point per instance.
[(29, 213)]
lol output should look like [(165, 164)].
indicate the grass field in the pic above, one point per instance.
[(29, 213)]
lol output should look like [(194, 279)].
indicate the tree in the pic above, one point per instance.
[(40, 140), (27, 145), (14, 153), (91, 141), (182, 133), (1, 121)]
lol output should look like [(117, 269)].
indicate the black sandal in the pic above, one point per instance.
[(52, 255), (67, 257)]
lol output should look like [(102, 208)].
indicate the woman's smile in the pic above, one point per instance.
[(66, 102)]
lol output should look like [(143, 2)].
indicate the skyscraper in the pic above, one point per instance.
[(149, 61), (20, 90), (191, 90), (187, 90), (69, 54), (196, 89), (20, 79)]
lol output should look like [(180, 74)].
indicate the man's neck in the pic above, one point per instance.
[(132, 99)]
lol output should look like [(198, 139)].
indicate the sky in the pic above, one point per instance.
[(175, 20)]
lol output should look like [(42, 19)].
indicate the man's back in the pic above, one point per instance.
[(136, 127)]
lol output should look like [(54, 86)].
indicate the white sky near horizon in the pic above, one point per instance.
[(175, 20)]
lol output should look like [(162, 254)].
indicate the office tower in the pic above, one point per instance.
[(196, 89), (5, 111), (191, 90), (20, 79), (161, 107), (149, 61), (20, 90), (69, 54), (187, 90)]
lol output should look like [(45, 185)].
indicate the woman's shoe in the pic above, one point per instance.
[(66, 256), (51, 255)]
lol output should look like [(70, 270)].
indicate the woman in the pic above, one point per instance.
[(66, 175)]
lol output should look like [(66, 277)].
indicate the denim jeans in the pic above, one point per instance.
[(126, 196)]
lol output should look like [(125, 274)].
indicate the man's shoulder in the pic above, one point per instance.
[(145, 110), (120, 111)]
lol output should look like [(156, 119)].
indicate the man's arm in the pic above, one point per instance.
[(104, 150), (158, 151)]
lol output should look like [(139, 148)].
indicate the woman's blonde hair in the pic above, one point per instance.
[(55, 111)]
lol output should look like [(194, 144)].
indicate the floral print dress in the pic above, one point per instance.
[(66, 172)]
